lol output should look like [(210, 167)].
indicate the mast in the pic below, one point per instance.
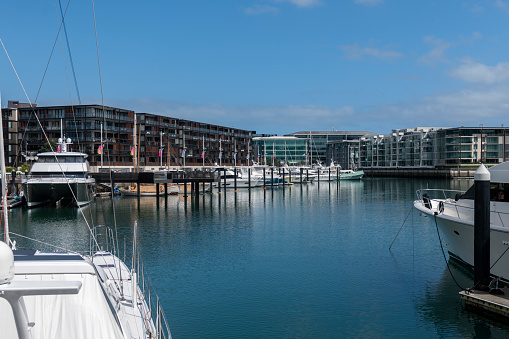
[(273, 152), (311, 147), (184, 147), (161, 147), (4, 178), (220, 152), (203, 152), (102, 145)]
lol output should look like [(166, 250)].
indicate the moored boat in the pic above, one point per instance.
[(59, 175), (453, 213)]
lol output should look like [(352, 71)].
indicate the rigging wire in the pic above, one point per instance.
[(47, 139), (104, 123), (62, 23), (70, 55)]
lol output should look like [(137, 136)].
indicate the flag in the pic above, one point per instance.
[(160, 152), (58, 149), (132, 150), (220, 154), (99, 149), (203, 154), (248, 157), (183, 153), (235, 156)]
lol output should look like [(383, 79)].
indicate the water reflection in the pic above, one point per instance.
[(306, 260)]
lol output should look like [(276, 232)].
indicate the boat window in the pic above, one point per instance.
[(58, 174), (469, 194), (499, 192)]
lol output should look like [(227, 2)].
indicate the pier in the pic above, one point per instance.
[(194, 178), (488, 305)]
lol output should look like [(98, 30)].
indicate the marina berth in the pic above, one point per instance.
[(453, 213)]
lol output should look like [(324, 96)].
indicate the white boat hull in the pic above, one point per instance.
[(458, 233)]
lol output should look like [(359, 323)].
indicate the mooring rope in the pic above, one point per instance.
[(411, 208), (443, 253)]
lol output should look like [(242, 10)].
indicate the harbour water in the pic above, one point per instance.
[(305, 261)]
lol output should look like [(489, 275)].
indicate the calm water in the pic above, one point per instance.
[(308, 261)]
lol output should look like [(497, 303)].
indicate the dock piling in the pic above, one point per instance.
[(481, 227)]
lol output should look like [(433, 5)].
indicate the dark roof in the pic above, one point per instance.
[(332, 133)]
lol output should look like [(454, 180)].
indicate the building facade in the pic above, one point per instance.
[(119, 138), (318, 142), (424, 147), (280, 150)]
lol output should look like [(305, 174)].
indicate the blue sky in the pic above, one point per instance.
[(274, 66)]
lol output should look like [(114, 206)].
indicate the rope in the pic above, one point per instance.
[(45, 243), (411, 208), (443, 253), (46, 136), (507, 249)]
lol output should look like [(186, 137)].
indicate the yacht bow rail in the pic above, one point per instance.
[(442, 202), (147, 304)]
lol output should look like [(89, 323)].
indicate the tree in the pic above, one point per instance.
[(46, 147), (25, 167)]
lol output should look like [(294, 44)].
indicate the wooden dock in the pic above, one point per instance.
[(489, 305)]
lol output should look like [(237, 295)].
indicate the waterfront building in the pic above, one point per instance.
[(119, 138), (280, 150), (318, 141), (433, 147)]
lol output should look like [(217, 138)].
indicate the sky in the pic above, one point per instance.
[(270, 66)]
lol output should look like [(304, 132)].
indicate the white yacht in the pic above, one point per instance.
[(59, 175), (228, 179), (69, 295), (453, 212)]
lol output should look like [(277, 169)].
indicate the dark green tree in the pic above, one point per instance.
[(46, 147)]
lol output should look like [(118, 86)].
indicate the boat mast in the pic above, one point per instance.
[(4, 178), (102, 145), (311, 147)]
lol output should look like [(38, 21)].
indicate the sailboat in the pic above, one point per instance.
[(74, 295)]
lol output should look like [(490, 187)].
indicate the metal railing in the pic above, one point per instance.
[(444, 203)]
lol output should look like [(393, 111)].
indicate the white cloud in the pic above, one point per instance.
[(261, 118), (437, 53), (303, 3), (369, 2), (474, 72), (355, 52), (261, 9), (502, 5)]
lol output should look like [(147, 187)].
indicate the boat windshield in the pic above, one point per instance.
[(62, 159), (58, 174), (498, 192)]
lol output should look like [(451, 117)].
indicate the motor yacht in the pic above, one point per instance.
[(59, 175), (453, 213)]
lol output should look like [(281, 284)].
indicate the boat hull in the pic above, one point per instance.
[(459, 239), (39, 191), (241, 183), (357, 175)]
